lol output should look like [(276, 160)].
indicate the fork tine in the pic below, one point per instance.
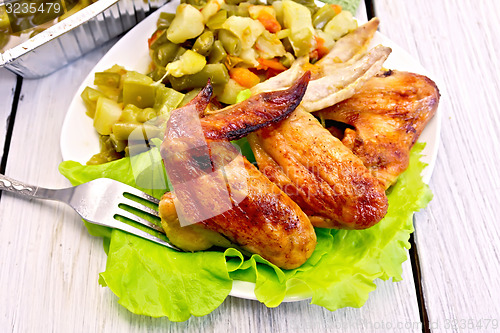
[(132, 230), (140, 220), (140, 194), (134, 204)]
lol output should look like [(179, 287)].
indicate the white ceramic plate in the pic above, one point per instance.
[(79, 141)]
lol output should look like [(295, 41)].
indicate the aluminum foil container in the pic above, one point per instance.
[(78, 34)]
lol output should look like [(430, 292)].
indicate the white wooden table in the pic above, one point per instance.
[(49, 264)]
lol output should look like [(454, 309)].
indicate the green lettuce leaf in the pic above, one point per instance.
[(152, 280)]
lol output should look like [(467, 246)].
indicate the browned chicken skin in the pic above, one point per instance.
[(266, 222), (261, 218), (318, 172), (388, 114)]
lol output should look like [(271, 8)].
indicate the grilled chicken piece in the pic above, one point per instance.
[(337, 75), (388, 114), (329, 183), (237, 121), (266, 221), (227, 197)]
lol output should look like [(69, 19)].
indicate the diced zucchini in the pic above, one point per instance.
[(90, 96), (189, 63), (217, 73), (188, 23), (298, 19), (210, 9), (107, 79), (229, 93), (167, 99), (138, 89), (216, 21), (246, 29), (106, 114), (340, 25), (269, 46)]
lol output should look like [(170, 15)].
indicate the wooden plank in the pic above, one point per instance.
[(7, 88), (457, 236)]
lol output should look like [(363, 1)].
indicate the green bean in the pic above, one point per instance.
[(203, 44), (216, 21), (243, 9), (166, 100), (217, 73), (107, 79), (230, 9), (134, 131), (287, 60), (323, 16), (310, 4), (118, 145), (234, 2), (165, 54), (138, 89), (164, 20), (218, 54), (146, 114), (180, 52), (158, 73), (195, 3), (107, 153), (189, 96), (231, 43), (240, 9), (160, 40), (130, 113)]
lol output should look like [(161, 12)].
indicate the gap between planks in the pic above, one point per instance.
[(10, 125), (413, 253)]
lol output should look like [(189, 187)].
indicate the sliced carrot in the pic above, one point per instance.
[(269, 21), (271, 63), (337, 9), (321, 49), (244, 77)]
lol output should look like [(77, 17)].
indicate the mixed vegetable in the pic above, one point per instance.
[(235, 44), (22, 19)]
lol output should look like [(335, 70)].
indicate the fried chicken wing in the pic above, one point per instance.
[(221, 195), (266, 222), (388, 114), (329, 183), (339, 74)]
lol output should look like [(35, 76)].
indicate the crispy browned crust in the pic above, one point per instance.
[(318, 172), (237, 121), (388, 113)]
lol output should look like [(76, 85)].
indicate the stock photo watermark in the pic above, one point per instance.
[(452, 325)]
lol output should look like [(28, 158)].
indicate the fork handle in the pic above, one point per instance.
[(11, 185)]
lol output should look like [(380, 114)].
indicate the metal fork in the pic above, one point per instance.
[(99, 202)]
